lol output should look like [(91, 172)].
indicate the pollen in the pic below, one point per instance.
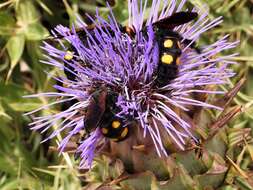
[(68, 55), (124, 132), (104, 130), (168, 43), (167, 59), (115, 124)]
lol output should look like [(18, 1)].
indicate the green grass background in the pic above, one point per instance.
[(24, 162)]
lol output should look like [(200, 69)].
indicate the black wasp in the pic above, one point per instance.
[(102, 112), (169, 45), (102, 109)]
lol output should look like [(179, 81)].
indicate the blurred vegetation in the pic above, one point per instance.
[(27, 164)]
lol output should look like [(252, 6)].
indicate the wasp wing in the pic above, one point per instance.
[(176, 19), (95, 110)]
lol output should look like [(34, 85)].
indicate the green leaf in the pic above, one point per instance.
[(12, 95), (15, 48), (5, 164), (25, 105), (243, 184), (215, 175), (4, 63), (151, 163), (36, 32), (7, 23), (142, 181), (45, 7), (27, 13), (12, 184), (28, 17), (180, 181), (217, 143), (3, 114), (190, 162), (228, 187)]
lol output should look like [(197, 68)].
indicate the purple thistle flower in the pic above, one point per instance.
[(118, 61)]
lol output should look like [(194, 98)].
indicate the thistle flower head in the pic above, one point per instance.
[(106, 56)]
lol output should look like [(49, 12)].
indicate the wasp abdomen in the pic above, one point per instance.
[(115, 130), (169, 53), (112, 126)]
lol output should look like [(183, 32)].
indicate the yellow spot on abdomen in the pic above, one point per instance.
[(124, 132), (68, 55), (167, 59), (115, 124), (168, 43), (104, 130)]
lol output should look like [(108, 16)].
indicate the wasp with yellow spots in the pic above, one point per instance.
[(102, 112), (170, 46), (169, 43)]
